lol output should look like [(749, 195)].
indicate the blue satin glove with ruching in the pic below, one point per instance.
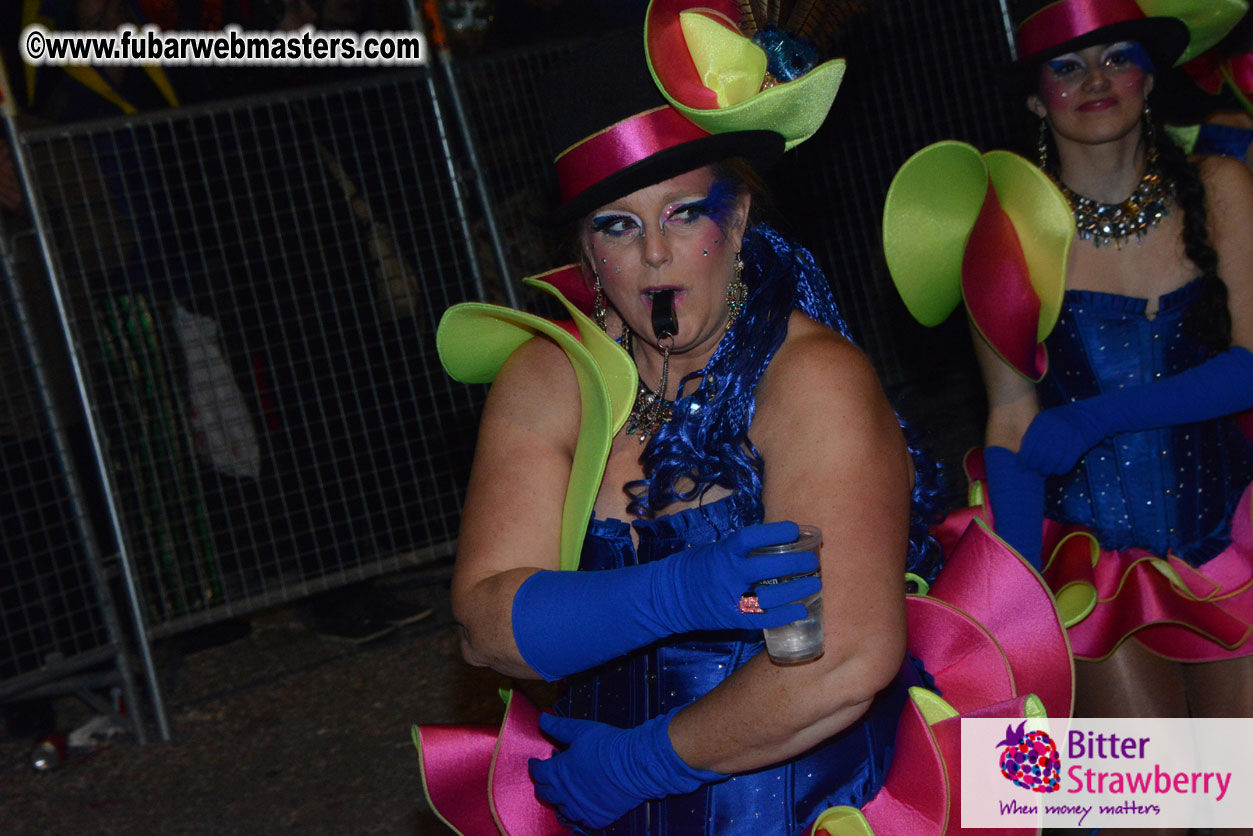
[(605, 772), (1058, 437), (566, 622)]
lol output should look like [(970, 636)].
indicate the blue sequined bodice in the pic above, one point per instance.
[(847, 769), (1170, 489), (1223, 141)]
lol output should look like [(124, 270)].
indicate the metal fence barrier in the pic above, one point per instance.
[(59, 626), (246, 295), (250, 291)]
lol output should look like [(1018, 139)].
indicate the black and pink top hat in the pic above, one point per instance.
[(632, 110), (611, 132), (1171, 31), (1048, 29)]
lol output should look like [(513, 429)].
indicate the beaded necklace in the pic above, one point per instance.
[(1103, 223), (648, 415)]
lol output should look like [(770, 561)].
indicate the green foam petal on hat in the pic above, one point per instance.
[(1208, 21), (729, 64), (707, 39), (1046, 227), (929, 211), (795, 109), (475, 339)]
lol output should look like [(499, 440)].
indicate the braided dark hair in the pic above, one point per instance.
[(1208, 320)]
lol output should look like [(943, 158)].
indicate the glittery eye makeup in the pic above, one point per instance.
[(1126, 54), (717, 205), (1066, 66), (617, 224), (683, 212), (1117, 57)]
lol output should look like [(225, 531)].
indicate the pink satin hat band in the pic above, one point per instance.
[(1067, 19), (619, 146)]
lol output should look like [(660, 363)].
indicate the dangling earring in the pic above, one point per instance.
[(737, 292), (598, 313), (1150, 136), (1042, 144), (598, 304)]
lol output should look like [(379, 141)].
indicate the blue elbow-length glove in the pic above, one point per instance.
[(1016, 495), (566, 622), (1058, 437), (605, 772)]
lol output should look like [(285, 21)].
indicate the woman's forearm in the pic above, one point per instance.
[(766, 713)]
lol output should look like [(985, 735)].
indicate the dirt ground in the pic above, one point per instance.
[(278, 732)]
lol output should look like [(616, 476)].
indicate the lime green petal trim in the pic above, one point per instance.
[(1208, 21), (1185, 136), (931, 705), (1077, 599), (727, 63), (841, 821), (974, 494), (475, 339), (919, 582), (1033, 708), (931, 209)]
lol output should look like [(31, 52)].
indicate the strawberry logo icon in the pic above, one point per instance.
[(1030, 759)]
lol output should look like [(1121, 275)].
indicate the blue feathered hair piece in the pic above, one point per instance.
[(707, 443)]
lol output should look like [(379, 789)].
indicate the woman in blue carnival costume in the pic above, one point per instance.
[(691, 483), (1126, 435), (728, 406)]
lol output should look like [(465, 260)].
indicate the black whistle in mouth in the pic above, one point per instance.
[(664, 323)]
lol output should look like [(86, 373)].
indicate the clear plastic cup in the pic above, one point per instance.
[(800, 641)]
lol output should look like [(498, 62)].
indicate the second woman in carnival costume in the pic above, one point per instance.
[(1122, 427), (706, 391)]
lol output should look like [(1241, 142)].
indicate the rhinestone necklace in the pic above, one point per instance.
[(650, 412), (1102, 223)]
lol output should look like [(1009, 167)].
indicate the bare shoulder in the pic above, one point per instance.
[(819, 374), (526, 438), (535, 392), (1229, 191), (815, 357)]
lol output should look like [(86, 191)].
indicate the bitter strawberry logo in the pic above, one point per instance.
[(1030, 759)]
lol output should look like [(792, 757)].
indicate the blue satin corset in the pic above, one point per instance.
[(847, 769), (1170, 489)]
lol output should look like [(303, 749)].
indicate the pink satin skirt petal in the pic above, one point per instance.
[(997, 588), (453, 761), (516, 809), (914, 796), (948, 739), (967, 663), (1202, 614), (476, 777)]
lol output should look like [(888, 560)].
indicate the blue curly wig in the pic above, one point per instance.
[(707, 443)]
